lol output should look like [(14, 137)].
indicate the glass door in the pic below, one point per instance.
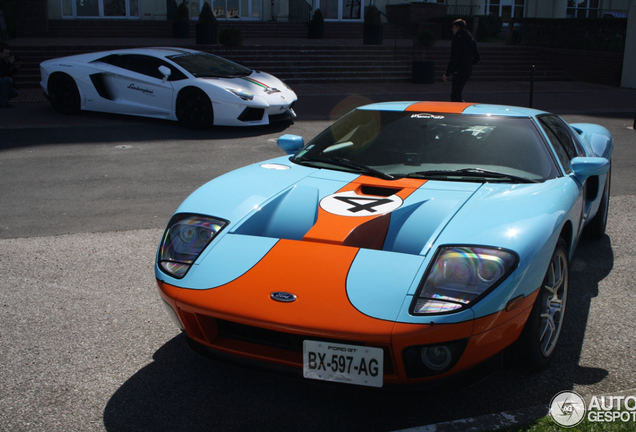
[(506, 9), (100, 8), (341, 10), (352, 10)]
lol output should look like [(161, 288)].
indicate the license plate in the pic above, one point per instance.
[(350, 364)]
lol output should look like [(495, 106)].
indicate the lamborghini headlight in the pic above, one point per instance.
[(459, 276), (247, 96), (185, 238)]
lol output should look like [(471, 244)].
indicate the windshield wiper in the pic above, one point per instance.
[(346, 163), (471, 172)]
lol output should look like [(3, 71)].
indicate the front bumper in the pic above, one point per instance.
[(277, 345)]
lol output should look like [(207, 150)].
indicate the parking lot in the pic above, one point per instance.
[(85, 344)]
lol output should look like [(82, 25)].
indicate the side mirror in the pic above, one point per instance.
[(290, 144), (584, 167), (165, 71)]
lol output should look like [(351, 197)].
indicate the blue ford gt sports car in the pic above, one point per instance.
[(406, 243), (197, 89)]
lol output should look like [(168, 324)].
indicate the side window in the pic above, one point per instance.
[(142, 64), (110, 59), (561, 138), (145, 65), (176, 73)]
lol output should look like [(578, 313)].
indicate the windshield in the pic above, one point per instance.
[(208, 65), (434, 146)]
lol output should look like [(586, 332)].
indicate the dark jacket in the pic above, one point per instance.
[(6, 69), (464, 54)]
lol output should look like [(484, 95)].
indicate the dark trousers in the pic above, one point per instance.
[(6, 90), (459, 81)]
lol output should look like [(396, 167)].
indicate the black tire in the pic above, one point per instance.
[(63, 93), (540, 336), (194, 109), (596, 228)]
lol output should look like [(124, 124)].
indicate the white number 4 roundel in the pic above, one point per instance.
[(350, 203)]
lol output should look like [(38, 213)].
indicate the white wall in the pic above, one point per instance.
[(55, 9)]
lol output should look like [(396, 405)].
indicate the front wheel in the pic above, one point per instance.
[(541, 333), (63, 93), (194, 109)]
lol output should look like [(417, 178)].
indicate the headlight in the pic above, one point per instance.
[(241, 93), (459, 275), (185, 238)]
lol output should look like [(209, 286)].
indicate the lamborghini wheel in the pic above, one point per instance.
[(541, 334), (194, 109), (63, 93)]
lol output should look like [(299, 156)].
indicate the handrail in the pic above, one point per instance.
[(300, 9), (415, 40)]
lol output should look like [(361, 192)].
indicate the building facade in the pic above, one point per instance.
[(332, 10)]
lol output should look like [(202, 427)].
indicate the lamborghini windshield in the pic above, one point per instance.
[(208, 65), (396, 144)]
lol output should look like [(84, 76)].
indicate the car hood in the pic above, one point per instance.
[(257, 83), (392, 224), (391, 227)]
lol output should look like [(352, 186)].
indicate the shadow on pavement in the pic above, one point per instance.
[(181, 391), (112, 128)]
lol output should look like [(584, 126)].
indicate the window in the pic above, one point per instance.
[(236, 9), (566, 146), (142, 64), (403, 143), (342, 10), (506, 8), (583, 9)]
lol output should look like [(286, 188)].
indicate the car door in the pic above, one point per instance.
[(137, 87), (566, 149)]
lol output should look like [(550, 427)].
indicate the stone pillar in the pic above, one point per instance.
[(629, 56)]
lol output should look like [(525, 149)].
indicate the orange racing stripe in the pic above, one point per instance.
[(363, 231), (439, 107)]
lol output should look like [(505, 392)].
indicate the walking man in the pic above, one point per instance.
[(464, 54)]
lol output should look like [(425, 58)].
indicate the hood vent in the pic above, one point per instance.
[(378, 191)]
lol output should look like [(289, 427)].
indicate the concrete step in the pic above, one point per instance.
[(346, 63)]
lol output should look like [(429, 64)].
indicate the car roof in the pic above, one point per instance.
[(155, 51), (454, 108), (159, 52)]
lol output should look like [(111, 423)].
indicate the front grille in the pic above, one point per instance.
[(210, 329), (260, 336), (252, 114)]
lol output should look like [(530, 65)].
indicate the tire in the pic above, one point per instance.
[(63, 93), (540, 336), (596, 228), (194, 109)]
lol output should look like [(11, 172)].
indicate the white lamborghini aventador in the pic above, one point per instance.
[(196, 88)]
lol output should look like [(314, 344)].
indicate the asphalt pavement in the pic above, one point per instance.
[(85, 345)]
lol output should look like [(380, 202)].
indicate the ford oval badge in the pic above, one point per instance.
[(284, 297)]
